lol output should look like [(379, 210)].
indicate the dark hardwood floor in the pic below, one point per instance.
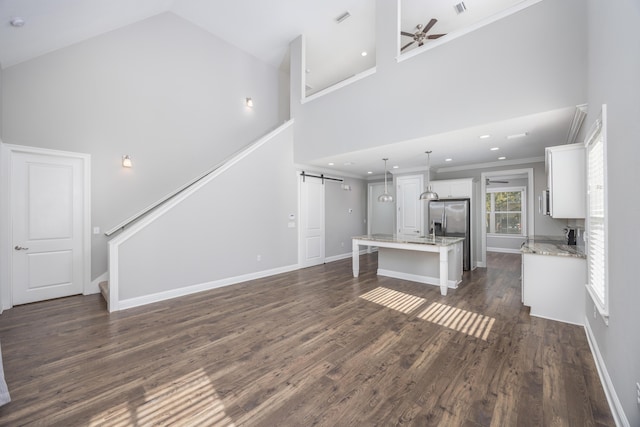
[(302, 349)]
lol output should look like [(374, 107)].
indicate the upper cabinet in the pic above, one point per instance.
[(453, 188), (565, 165)]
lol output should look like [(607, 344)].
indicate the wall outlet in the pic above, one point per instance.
[(259, 258), (595, 311), (96, 230)]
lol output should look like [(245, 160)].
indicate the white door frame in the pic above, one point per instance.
[(6, 152), (482, 262)]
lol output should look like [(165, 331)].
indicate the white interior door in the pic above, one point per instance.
[(409, 206), (312, 242), (47, 214)]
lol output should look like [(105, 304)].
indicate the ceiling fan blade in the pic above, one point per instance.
[(429, 25), (435, 36), (404, 33), (406, 46)]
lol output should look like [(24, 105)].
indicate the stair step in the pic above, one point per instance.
[(104, 290)]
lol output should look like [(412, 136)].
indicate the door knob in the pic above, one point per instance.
[(20, 248)]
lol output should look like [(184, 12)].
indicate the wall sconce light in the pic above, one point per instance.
[(346, 187), (126, 161), (249, 102)]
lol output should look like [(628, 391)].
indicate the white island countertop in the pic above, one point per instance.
[(420, 240), (439, 245)]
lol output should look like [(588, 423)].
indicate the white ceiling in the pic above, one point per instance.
[(265, 29), (464, 147)]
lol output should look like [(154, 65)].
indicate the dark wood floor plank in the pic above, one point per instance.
[(301, 348)]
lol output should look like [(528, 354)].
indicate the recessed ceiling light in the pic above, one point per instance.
[(369, 172), (485, 136), (447, 160), (396, 167), (518, 135), (308, 70), (331, 163), (17, 22), (363, 53), (502, 158), (494, 148)]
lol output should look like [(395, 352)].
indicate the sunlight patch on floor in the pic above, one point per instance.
[(467, 322), (395, 300), (189, 400)]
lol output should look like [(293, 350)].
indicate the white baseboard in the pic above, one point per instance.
[(554, 319), (342, 256), (612, 397), (93, 287), (188, 290), (504, 250), (481, 264), (453, 284)]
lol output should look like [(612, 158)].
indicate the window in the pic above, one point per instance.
[(596, 236), (504, 211)]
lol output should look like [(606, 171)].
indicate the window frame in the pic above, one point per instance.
[(598, 132), (523, 210)]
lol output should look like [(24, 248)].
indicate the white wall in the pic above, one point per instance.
[(491, 74), (161, 90), (340, 224), (218, 232), (614, 67)]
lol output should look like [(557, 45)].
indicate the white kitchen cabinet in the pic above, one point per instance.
[(554, 287), (453, 188), (566, 181)]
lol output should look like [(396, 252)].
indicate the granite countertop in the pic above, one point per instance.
[(421, 240), (551, 245)]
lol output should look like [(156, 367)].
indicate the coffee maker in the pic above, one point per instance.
[(570, 234)]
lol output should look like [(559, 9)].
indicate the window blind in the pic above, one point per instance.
[(596, 221)]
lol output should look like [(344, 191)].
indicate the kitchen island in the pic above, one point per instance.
[(427, 259)]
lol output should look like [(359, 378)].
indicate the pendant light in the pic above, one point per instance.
[(428, 195), (385, 197)]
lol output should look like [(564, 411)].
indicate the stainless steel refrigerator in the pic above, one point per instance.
[(452, 218)]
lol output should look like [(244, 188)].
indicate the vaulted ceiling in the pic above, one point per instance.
[(334, 52)]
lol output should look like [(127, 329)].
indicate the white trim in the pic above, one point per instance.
[(463, 31), (481, 264), (492, 164), (5, 217), (429, 280), (339, 85), (94, 287), (192, 289), (503, 250), (617, 410)]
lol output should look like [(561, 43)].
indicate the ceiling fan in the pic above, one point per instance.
[(495, 181), (421, 34)]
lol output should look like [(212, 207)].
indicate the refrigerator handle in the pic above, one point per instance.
[(444, 222)]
